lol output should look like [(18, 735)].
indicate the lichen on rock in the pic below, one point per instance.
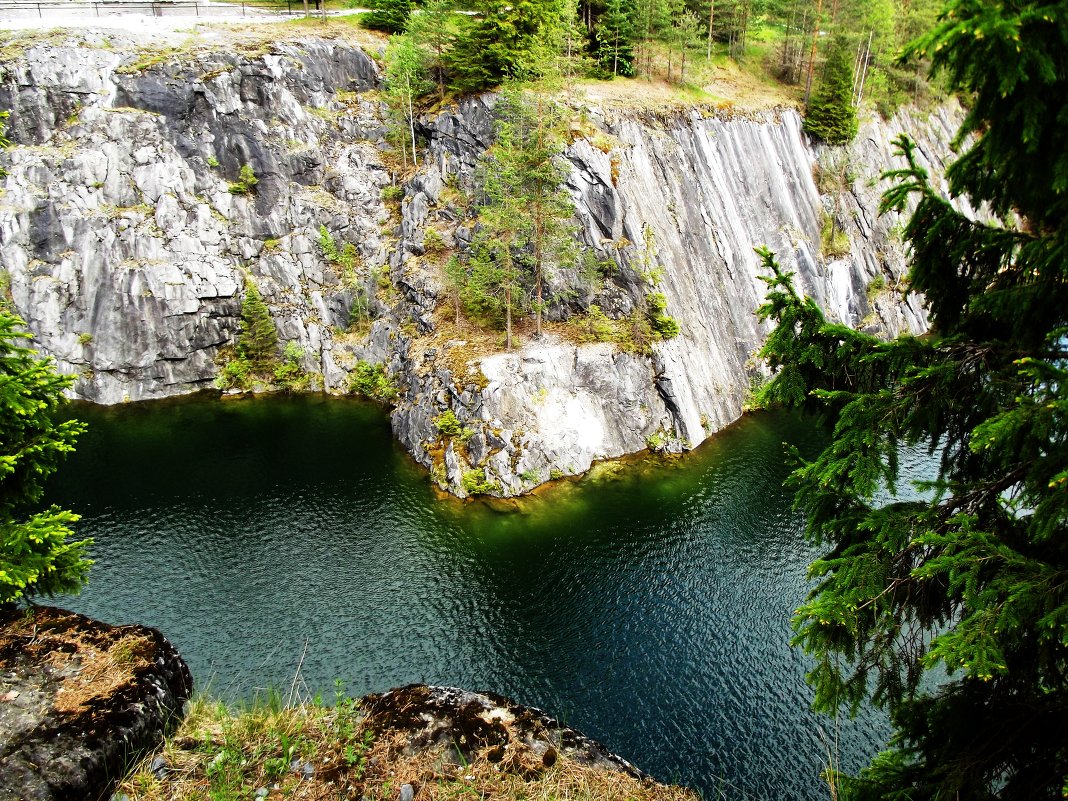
[(128, 251), (80, 701)]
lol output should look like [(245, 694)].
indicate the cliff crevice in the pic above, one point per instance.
[(127, 247)]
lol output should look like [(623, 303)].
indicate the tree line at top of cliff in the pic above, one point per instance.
[(831, 54)]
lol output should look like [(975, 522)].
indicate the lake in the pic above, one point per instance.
[(285, 539)]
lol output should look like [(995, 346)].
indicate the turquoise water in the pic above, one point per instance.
[(647, 605)]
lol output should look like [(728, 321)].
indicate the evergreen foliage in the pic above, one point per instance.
[(35, 556), (5, 143), (614, 37), (390, 16), (525, 220), (372, 381), (949, 607), (258, 341), (407, 79), (433, 30), (508, 39), (831, 116), (245, 183)]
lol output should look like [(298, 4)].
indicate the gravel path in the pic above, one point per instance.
[(141, 23)]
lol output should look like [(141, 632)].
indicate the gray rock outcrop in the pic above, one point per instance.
[(81, 701), (473, 725), (125, 250), (686, 198), (128, 254)]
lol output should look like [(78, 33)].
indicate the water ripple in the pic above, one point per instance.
[(650, 606)]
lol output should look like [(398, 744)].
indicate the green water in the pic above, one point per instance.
[(648, 605)]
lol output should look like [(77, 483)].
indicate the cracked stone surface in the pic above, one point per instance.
[(80, 701), (128, 256)]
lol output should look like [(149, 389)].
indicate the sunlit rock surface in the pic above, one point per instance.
[(128, 255)]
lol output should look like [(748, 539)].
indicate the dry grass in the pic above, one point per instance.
[(222, 756), (461, 347), (528, 779), (101, 670), (345, 28), (92, 663), (249, 39), (720, 84)]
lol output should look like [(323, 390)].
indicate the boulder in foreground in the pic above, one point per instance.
[(80, 701)]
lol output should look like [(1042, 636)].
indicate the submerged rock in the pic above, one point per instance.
[(80, 701)]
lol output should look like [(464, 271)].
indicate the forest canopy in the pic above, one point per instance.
[(478, 44)]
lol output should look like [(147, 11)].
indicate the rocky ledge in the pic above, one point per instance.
[(129, 239), (80, 702), (465, 727), (416, 743)]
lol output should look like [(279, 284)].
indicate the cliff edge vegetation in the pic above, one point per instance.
[(419, 742), (164, 206)]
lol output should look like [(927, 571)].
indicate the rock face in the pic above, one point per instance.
[(127, 252), (685, 198), (125, 249), (474, 725), (80, 701)]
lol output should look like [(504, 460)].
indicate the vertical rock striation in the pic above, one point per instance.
[(686, 198), (127, 253)]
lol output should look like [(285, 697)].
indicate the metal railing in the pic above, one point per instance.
[(156, 8)]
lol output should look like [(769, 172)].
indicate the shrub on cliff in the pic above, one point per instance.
[(36, 557), (258, 340)]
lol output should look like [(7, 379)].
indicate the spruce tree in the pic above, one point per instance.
[(35, 555), (258, 340), (948, 607), (433, 30), (508, 39), (831, 116), (614, 36), (390, 16), (527, 212)]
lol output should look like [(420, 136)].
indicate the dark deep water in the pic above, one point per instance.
[(647, 605)]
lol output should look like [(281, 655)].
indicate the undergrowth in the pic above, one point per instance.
[(275, 748)]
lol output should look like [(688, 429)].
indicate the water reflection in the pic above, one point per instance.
[(647, 605)]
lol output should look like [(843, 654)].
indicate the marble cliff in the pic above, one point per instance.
[(128, 255)]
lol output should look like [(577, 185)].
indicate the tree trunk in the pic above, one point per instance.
[(440, 72), (799, 52), (508, 317), (864, 70), (539, 226), (711, 17), (411, 119), (812, 53)]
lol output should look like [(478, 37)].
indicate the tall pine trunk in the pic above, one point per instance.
[(711, 17), (812, 53), (508, 316)]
